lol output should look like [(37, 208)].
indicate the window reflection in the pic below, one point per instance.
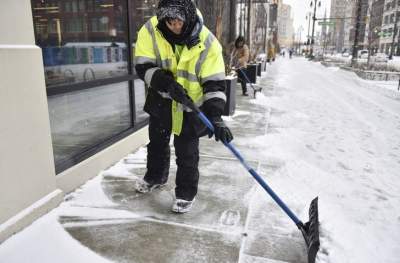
[(81, 119), (81, 40), (140, 12), (140, 98)]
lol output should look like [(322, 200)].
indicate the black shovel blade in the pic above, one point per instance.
[(310, 231)]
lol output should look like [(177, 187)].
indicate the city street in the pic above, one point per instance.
[(315, 131)]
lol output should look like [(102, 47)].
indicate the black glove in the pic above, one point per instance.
[(163, 81), (178, 93), (221, 131)]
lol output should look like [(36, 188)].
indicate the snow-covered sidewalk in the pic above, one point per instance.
[(314, 131)]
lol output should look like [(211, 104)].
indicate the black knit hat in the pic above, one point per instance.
[(184, 10)]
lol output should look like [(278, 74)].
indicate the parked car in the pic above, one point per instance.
[(345, 54), (380, 57), (362, 53), (262, 57)]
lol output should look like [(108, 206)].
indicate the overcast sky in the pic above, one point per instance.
[(299, 12)]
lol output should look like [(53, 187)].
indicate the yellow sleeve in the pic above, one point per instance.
[(144, 47)]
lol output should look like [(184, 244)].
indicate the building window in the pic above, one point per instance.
[(77, 42), (94, 96), (84, 118), (81, 5)]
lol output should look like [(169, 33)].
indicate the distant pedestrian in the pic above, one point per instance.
[(290, 53), (239, 58)]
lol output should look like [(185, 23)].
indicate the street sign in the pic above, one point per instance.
[(326, 23), (384, 34)]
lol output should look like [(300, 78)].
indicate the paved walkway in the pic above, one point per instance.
[(233, 219)]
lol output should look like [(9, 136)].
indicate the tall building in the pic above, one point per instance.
[(285, 26), (260, 27), (337, 32), (374, 25), (345, 14), (391, 12)]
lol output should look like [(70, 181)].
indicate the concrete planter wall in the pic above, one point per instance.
[(375, 75)]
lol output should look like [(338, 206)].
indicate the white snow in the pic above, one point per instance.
[(337, 136), (340, 140), (46, 241)]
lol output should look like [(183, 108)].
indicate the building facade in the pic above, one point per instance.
[(71, 101), (374, 25), (389, 31), (338, 9), (285, 26)]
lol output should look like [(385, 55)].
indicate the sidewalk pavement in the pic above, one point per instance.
[(233, 219)]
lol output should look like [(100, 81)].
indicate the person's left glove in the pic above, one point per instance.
[(178, 93), (221, 131), (163, 81)]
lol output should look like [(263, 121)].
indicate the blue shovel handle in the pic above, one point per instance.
[(257, 177)]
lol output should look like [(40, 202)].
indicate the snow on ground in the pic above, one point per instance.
[(33, 245), (340, 140), (337, 136)]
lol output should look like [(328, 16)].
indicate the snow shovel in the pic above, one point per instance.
[(310, 229), (256, 88)]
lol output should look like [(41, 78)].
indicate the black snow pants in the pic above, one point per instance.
[(187, 156)]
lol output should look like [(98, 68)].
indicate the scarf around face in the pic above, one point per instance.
[(184, 10), (190, 35)]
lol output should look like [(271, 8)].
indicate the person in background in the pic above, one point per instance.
[(239, 58), (181, 62)]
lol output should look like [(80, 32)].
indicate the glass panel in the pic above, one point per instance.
[(81, 40), (141, 11), (140, 97), (79, 120)]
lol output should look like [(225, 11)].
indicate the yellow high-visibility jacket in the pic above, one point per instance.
[(196, 66)]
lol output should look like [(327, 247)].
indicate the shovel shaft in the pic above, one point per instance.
[(247, 78), (257, 177)]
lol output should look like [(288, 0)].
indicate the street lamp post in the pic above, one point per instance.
[(299, 30), (308, 16), (394, 35), (357, 33), (313, 27)]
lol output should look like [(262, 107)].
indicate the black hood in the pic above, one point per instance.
[(184, 10)]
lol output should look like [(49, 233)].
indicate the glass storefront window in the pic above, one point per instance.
[(140, 98), (140, 12), (81, 40), (87, 117)]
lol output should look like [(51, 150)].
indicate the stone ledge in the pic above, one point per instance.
[(30, 214)]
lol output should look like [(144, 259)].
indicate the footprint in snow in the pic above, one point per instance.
[(230, 218), (345, 167)]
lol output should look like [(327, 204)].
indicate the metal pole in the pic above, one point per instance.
[(299, 43), (313, 29), (308, 32), (249, 24), (394, 35), (356, 35)]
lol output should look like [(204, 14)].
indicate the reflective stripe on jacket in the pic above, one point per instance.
[(195, 67)]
